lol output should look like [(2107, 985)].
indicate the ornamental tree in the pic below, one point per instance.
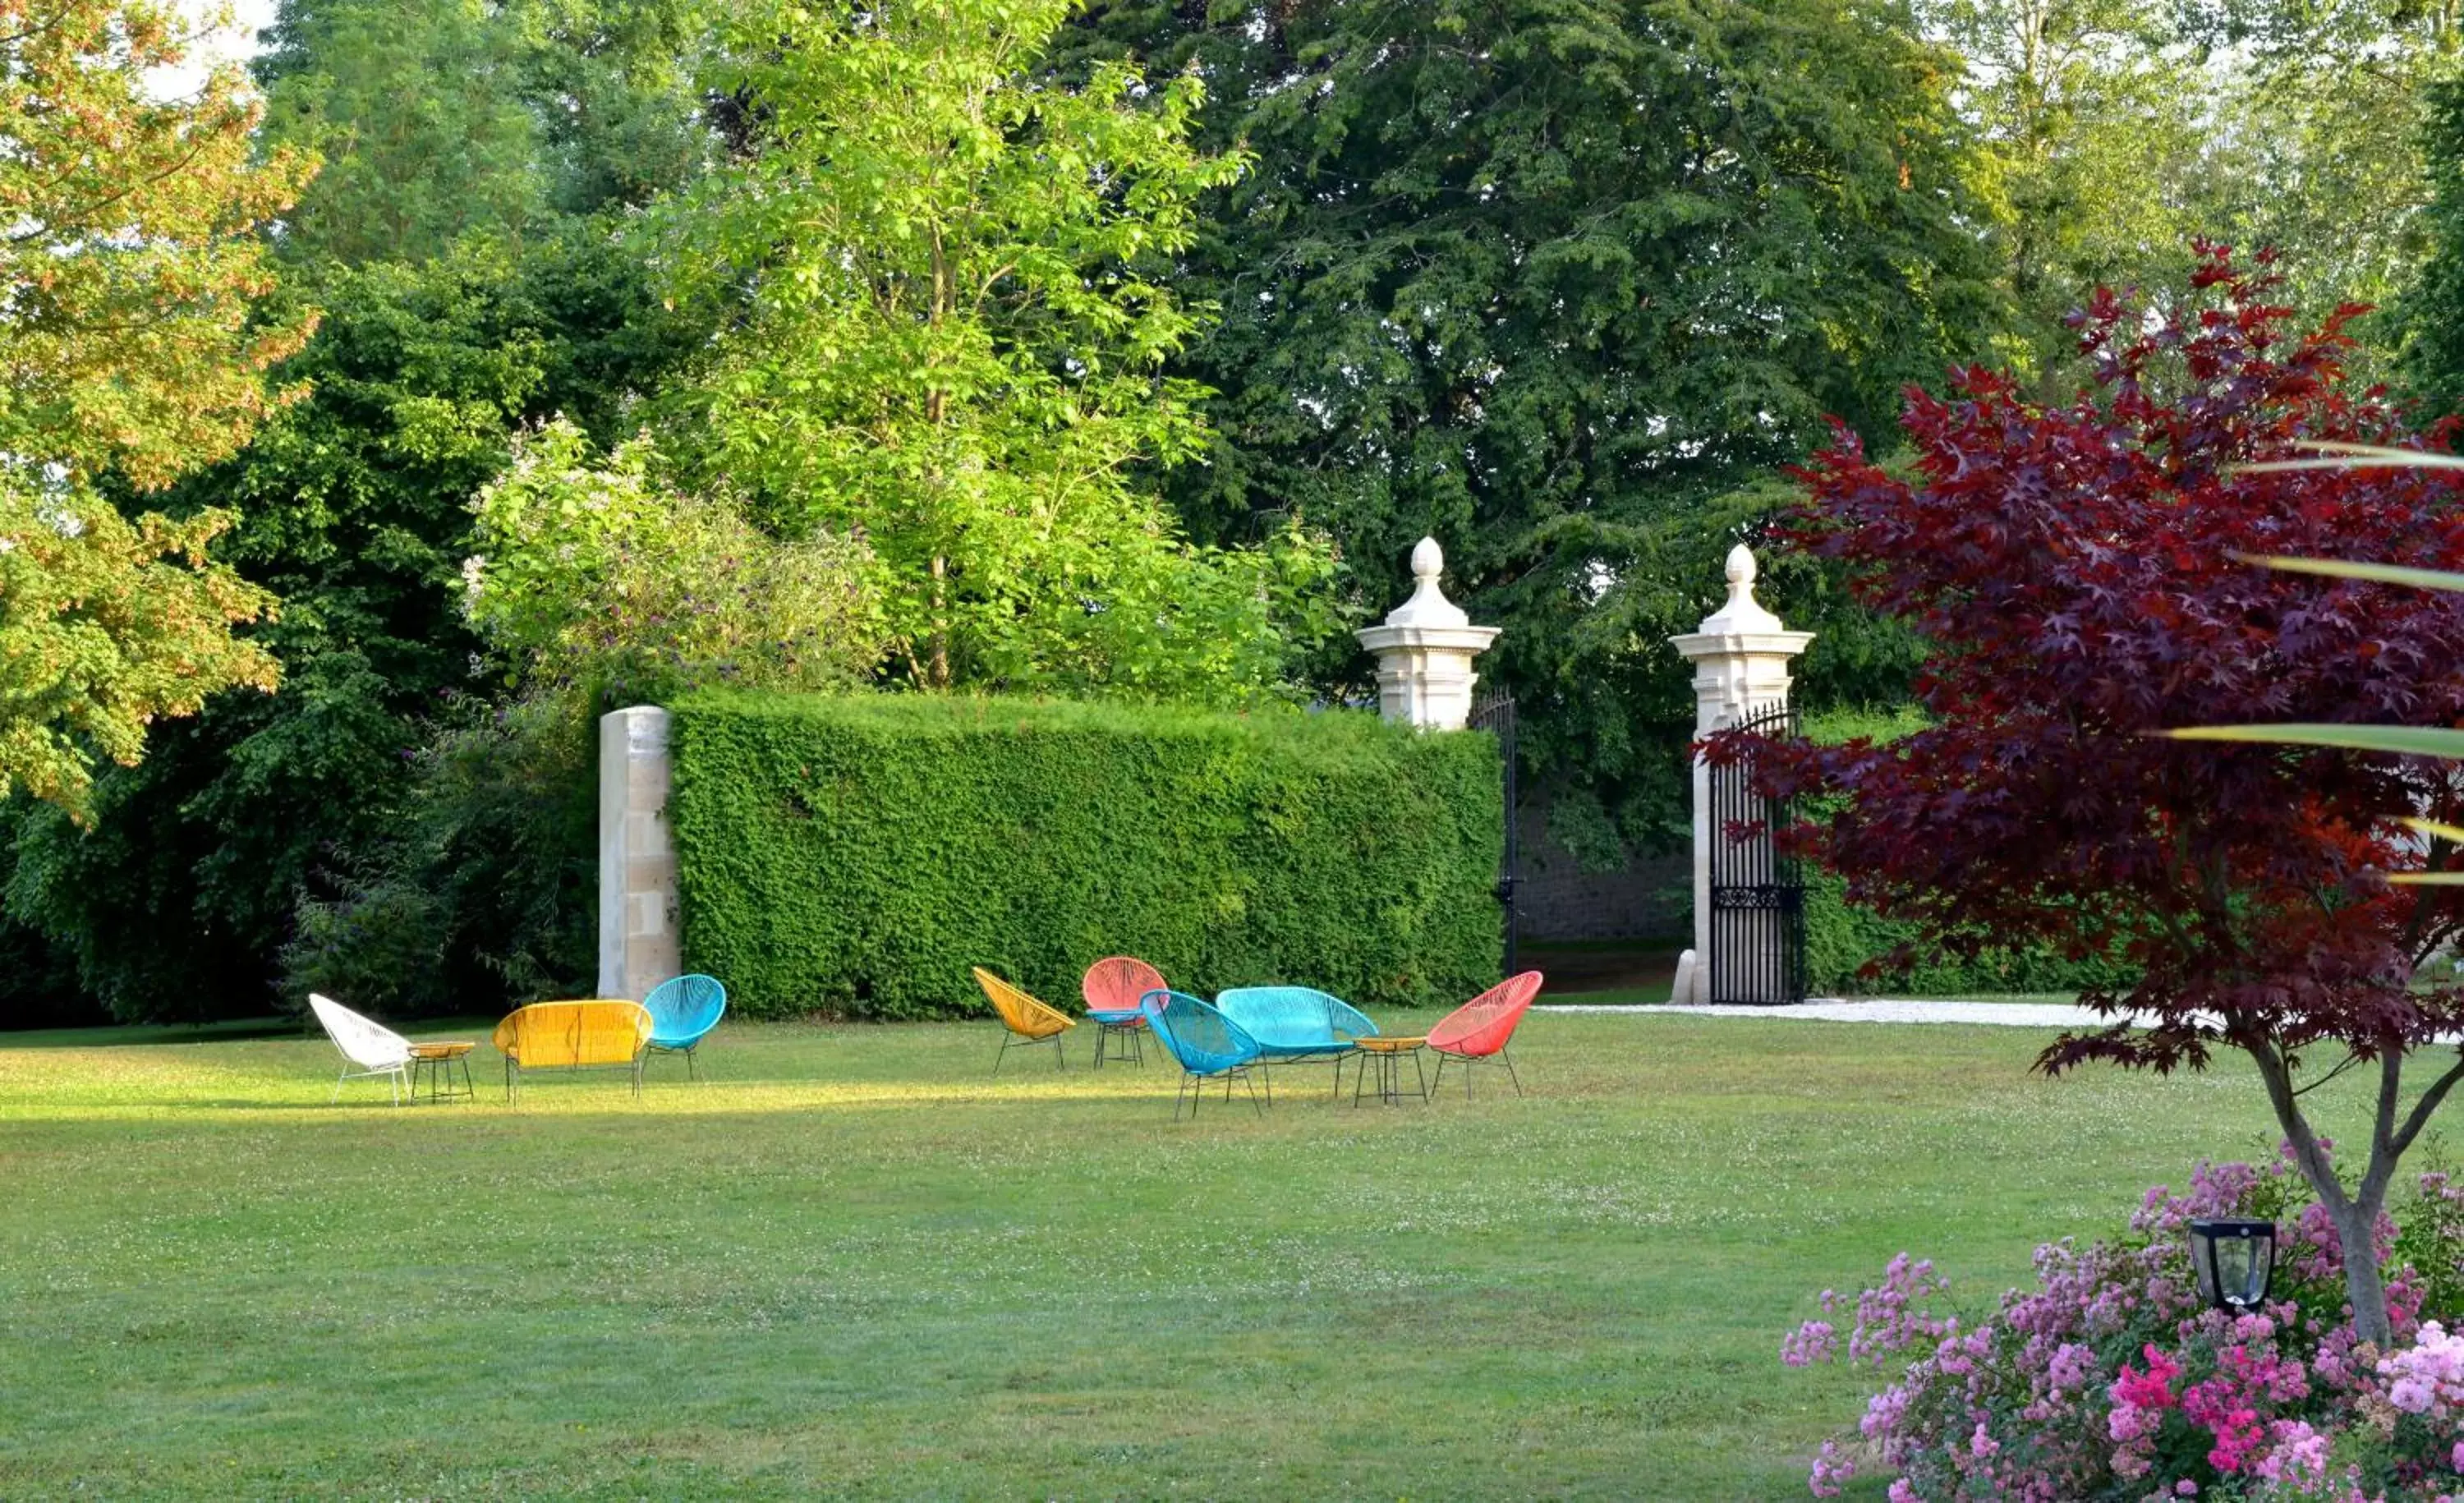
[(2084, 578), (133, 260)]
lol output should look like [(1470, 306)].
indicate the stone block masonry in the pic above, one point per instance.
[(640, 940)]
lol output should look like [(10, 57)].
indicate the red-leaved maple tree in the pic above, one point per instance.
[(2080, 574)]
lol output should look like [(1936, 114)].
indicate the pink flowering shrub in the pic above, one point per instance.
[(2110, 1379)]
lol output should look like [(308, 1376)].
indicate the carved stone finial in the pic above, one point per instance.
[(1741, 567), (1424, 651), (1743, 614), (1428, 606)]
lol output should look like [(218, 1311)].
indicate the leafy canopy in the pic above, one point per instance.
[(592, 578), (133, 260), (440, 118), (1555, 280), (2086, 577), (949, 279)]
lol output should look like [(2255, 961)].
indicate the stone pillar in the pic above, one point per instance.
[(1424, 651), (1740, 654), (639, 936)]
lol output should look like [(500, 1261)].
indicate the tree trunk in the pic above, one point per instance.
[(2354, 1215), (2356, 1226), (940, 622)]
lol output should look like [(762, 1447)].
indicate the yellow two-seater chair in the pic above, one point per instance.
[(574, 1035)]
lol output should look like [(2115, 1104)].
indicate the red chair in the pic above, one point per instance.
[(1477, 1031), (1113, 987)]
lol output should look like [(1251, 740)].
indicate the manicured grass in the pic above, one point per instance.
[(856, 1266)]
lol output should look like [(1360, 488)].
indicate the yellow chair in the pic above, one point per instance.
[(574, 1035), (1029, 1022)]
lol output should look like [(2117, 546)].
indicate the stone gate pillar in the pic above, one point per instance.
[(1740, 654), (640, 940), (1424, 651)]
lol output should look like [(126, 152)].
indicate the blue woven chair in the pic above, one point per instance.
[(1296, 1022), (682, 1009), (1207, 1044)]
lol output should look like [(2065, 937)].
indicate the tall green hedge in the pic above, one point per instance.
[(854, 855), (1843, 938)]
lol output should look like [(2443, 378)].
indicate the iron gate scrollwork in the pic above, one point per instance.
[(1757, 892), (1496, 714)]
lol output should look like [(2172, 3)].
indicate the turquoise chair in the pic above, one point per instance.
[(1208, 1045), (682, 1009), (1296, 1022)]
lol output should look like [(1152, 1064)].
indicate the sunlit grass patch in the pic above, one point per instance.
[(852, 1262)]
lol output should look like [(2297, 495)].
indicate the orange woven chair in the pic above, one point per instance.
[(1029, 1022), (1478, 1031), (1113, 987), (573, 1035)]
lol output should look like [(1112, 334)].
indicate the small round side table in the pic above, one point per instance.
[(1385, 1055), (439, 1060)]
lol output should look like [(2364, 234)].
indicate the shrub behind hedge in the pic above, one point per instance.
[(1843, 938), (855, 855)]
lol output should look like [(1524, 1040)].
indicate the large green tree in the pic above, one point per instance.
[(127, 357), (353, 507), (444, 333), (1551, 280), (441, 117), (2325, 113), (2434, 306), (950, 281), (2112, 135), (2093, 153)]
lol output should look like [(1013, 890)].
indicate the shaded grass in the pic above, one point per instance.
[(856, 1266)]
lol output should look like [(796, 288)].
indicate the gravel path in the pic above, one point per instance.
[(1999, 1014)]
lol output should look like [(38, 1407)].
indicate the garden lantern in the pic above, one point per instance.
[(2234, 1258)]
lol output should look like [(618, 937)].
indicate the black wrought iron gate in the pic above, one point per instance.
[(1496, 713), (1757, 894)]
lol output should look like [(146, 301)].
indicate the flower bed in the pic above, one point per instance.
[(2111, 1379)]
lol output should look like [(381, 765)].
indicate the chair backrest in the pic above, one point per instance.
[(1204, 1041), (1286, 1017), (548, 1035), (683, 1008), (369, 1045), (1482, 1025), (1115, 983), (1020, 1013)]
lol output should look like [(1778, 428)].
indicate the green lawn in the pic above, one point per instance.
[(855, 1265)]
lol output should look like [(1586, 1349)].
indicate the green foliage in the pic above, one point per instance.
[(2430, 1234), (1552, 281), (2111, 134), (481, 894), (438, 118), (592, 579), (953, 285), (133, 351), (854, 856), (353, 506), (2433, 309), (105, 626), (1843, 939)]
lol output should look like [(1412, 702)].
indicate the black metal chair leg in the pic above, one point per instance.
[(1508, 1060)]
